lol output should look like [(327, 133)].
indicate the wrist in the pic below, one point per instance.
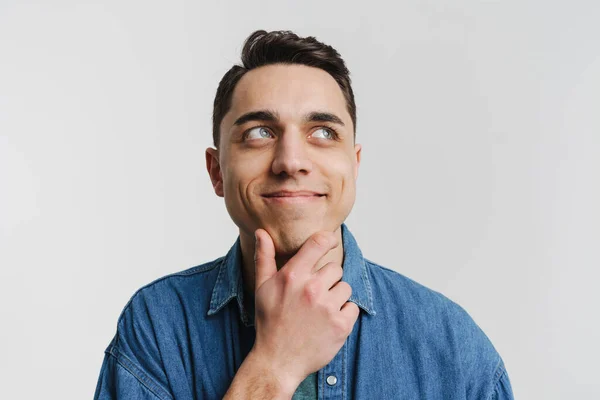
[(277, 376)]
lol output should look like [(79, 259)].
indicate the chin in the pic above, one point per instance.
[(288, 239)]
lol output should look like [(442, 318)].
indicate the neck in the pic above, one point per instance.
[(247, 244)]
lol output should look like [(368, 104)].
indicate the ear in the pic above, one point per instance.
[(214, 170), (358, 151)]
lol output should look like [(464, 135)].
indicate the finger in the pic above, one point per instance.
[(312, 250), (264, 258), (340, 293), (329, 274), (350, 311)]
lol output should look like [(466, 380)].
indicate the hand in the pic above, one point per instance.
[(303, 317)]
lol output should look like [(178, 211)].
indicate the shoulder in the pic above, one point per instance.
[(391, 285), (161, 306), (435, 322), (424, 307), (172, 287), (153, 319), (134, 365)]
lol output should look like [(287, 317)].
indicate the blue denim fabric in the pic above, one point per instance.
[(185, 335)]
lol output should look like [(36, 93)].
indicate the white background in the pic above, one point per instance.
[(480, 126)]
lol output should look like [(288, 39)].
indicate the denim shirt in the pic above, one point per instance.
[(180, 337)]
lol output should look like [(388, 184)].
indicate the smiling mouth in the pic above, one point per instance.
[(293, 193), (293, 198)]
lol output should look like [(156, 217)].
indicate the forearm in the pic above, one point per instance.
[(256, 380)]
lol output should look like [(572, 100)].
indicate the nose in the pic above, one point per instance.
[(291, 155)]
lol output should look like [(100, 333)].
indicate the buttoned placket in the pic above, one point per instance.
[(332, 379)]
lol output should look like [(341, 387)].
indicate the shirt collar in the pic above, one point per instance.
[(229, 282)]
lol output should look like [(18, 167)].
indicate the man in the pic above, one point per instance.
[(293, 309)]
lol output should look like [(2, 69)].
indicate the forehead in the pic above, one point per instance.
[(291, 90)]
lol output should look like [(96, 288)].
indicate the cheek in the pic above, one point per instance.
[(241, 174), (340, 172), (235, 178)]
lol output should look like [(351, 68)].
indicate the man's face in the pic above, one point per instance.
[(288, 129)]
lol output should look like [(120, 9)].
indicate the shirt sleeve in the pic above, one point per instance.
[(502, 389), (117, 382), (132, 366)]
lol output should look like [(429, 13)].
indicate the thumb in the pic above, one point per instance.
[(264, 258)]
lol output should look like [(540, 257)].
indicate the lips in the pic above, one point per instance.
[(288, 193)]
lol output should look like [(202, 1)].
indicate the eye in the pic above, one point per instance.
[(260, 130), (328, 133)]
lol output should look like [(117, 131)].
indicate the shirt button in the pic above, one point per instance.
[(331, 380)]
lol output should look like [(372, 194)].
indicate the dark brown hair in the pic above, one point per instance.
[(281, 47)]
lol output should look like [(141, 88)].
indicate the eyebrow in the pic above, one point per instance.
[(262, 115), (273, 116), (319, 116)]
